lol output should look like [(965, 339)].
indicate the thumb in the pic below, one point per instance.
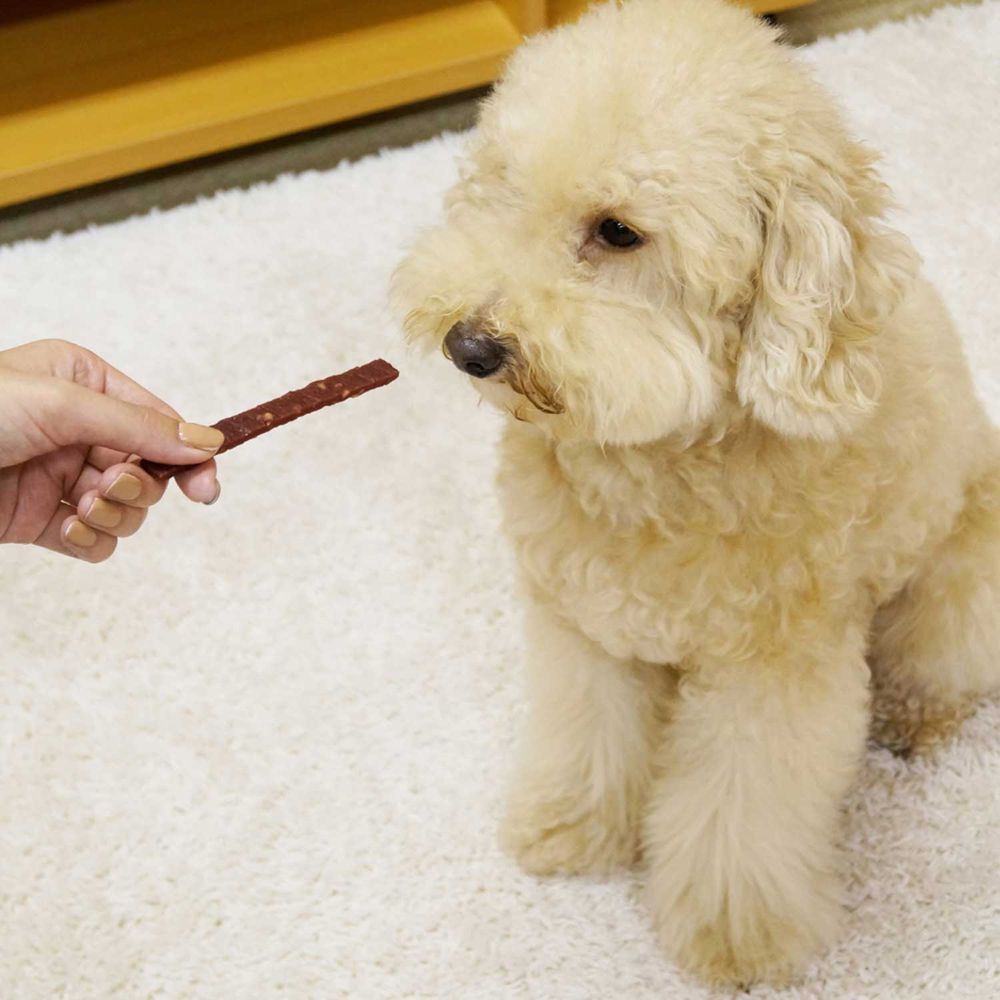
[(76, 415)]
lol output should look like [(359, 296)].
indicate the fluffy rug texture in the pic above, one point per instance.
[(261, 752)]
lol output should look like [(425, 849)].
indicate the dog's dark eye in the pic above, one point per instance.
[(617, 234)]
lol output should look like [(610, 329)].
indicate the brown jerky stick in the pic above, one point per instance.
[(314, 396)]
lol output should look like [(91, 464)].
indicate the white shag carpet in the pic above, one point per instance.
[(260, 753)]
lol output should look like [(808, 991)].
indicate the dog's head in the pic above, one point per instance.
[(662, 225)]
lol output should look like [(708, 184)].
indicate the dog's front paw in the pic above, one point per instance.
[(549, 838), (747, 943)]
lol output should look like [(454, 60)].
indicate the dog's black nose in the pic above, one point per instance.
[(476, 353)]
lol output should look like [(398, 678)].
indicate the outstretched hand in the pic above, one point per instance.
[(72, 431)]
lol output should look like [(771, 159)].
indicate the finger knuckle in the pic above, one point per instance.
[(53, 413), (151, 423), (55, 344)]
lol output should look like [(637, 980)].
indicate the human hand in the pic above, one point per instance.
[(72, 430)]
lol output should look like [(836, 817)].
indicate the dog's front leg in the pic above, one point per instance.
[(742, 826), (584, 762)]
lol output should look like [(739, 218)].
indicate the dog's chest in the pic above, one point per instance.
[(661, 554), (591, 537)]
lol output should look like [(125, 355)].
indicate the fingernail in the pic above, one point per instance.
[(125, 487), (103, 514), (218, 493), (197, 436), (80, 535)]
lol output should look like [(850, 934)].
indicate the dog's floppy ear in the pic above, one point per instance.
[(830, 274)]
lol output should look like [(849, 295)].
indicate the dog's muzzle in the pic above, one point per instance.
[(474, 351)]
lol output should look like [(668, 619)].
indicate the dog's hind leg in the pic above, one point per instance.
[(584, 762), (936, 646)]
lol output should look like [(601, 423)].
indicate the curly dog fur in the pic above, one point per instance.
[(754, 500)]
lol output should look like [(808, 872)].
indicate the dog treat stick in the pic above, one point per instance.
[(314, 396)]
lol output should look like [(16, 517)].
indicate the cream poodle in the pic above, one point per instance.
[(754, 500)]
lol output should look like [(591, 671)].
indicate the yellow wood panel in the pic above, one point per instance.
[(528, 15), (182, 94), (561, 11), (107, 31)]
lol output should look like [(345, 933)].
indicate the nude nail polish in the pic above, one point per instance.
[(126, 487), (203, 438), (80, 535), (103, 514)]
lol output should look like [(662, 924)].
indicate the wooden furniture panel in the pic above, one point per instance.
[(115, 88), (561, 11), (95, 89)]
